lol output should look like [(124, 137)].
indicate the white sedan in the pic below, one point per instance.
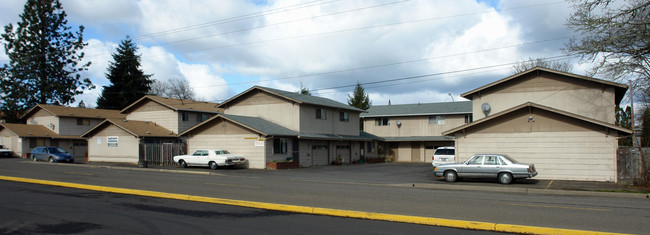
[(214, 158)]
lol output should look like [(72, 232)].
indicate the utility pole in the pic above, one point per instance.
[(632, 114)]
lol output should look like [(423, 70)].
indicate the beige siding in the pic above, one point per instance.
[(229, 136), (572, 95), (412, 126), (268, 107), (243, 144), (331, 125), (44, 118), (556, 155), (10, 140), (126, 151), (560, 147), (154, 112)]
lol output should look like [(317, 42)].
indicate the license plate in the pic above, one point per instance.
[(443, 159)]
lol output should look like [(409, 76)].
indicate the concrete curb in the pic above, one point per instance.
[(463, 224)]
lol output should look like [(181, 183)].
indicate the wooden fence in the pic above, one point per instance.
[(161, 154)]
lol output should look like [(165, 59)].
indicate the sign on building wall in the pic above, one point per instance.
[(112, 141)]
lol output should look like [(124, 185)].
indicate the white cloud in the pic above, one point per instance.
[(222, 57)]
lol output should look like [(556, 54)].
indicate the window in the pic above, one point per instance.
[(321, 114), (382, 122), (491, 160), (186, 116), (477, 160), (83, 122), (319, 147), (371, 146), (437, 120), (202, 117), (344, 117), (468, 118), (280, 146)]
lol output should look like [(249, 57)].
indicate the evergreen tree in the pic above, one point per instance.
[(44, 60), (359, 99), (129, 83), (304, 90), (624, 119)]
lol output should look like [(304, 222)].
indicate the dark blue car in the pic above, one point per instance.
[(51, 154)]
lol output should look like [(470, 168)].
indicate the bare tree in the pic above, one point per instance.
[(613, 33), (532, 63), (175, 88)]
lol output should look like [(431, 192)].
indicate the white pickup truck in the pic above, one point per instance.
[(5, 152)]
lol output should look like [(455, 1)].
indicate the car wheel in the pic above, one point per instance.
[(213, 165), (182, 163), (505, 178), (51, 160), (451, 176)]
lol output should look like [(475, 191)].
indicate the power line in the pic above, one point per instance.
[(395, 63), (230, 20), (344, 30)]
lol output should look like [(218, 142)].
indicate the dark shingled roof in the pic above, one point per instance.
[(268, 128), (135, 128), (460, 107), (177, 104), (298, 98), (63, 111), (25, 130)]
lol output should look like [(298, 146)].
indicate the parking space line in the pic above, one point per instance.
[(549, 184), (463, 224)]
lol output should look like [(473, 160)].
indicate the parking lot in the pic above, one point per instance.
[(396, 174)]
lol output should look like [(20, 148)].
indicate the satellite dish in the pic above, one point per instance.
[(485, 107), (399, 124)]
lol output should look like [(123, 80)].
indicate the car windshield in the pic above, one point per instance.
[(510, 159), (222, 152), (56, 150)]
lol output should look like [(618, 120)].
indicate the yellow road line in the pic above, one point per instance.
[(549, 184), (233, 185), (560, 207), (463, 224)]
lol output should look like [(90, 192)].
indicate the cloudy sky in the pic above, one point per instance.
[(405, 51)]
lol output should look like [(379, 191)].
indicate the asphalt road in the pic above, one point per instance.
[(40, 209), (407, 189)]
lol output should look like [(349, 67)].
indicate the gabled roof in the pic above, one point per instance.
[(542, 107), (267, 128), (461, 107), (26, 130), (63, 111), (255, 124), (135, 128), (295, 97), (620, 89), (176, 104)]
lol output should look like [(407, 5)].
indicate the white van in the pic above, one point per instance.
[(443, 155)]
